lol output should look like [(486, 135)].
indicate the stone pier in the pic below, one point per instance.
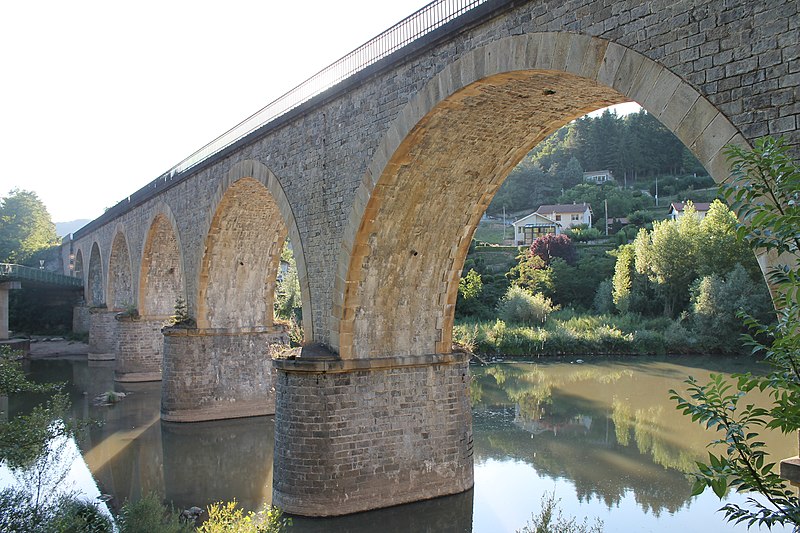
[(213, 374), (80, 319), (139, 348), (102, 334), (353, 435)]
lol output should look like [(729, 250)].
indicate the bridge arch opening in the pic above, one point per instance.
[(448, 152), (161, 280), (95, 295), (241, 259), (120, 279), (78, 265)]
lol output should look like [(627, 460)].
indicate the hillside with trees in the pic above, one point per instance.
[(637, 148)]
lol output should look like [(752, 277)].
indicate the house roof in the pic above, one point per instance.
[(538, 215), (698, 206), (564, 208)]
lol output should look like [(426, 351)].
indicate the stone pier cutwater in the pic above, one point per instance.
[(364, 434), (139, 348), (102, 334), (212, 374)]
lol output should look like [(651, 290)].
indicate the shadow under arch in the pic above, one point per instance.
[(78, 267), (95, 295), (447, 153), (161, 266), (119, 293), (249, 220)]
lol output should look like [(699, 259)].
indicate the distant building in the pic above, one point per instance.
[(550, 219), (598, 176), (676, 209), (567, 215), (531, 227)]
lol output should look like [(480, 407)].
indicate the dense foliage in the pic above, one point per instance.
[(764, 190), (25, 227)]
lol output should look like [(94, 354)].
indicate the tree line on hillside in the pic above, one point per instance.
[(634, 147)]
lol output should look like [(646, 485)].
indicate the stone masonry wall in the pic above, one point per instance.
[(364, 439), (80, 319), (102, 334), (215, 374), (139, 349)]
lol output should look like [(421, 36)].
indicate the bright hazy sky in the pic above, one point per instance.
[(99, 98)]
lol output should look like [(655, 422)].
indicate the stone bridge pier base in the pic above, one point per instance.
[(102, 334), (354, 435), (213, 374), (139, 348)]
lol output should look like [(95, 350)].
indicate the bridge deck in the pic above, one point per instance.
[(13, 272)]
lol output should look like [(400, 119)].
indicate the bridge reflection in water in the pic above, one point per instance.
[(603, 436)]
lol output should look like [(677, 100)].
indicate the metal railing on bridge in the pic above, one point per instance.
[(13, 272), (421, 23)]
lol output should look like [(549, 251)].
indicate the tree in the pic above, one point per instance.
[(764, 190), (25, 227), (551, 245), (668, 256)]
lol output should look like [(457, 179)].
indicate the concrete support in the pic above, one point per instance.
[(102, 334), (213, 374), (139, 349), (353, 435), (80, 319), (4, 288)]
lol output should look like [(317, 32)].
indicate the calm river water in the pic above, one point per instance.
[(602, 435)]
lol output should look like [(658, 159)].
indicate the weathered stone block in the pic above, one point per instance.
[(102, 334)]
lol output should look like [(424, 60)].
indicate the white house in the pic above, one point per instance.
[(567, 215), (598, 176), (533, 226), (676, 209)]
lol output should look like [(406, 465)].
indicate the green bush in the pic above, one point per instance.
[(148, 515), (229, 518), (648, 342), (67, 514), (521, 307)]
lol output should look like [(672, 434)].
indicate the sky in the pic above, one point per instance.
[(99, 98)]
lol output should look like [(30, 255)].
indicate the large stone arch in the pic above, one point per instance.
[(161, 271), (95, 295), (119, 293), (248, 223), (447, 153)]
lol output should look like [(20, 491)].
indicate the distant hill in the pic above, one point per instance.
[(63, 228)]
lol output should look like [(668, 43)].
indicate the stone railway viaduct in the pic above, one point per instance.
[(379, 183)]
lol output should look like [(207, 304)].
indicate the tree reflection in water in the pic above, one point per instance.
[(608, 427)]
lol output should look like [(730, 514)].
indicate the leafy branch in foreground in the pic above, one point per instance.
[(764, 191)]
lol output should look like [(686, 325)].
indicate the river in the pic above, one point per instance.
[(601, 435)]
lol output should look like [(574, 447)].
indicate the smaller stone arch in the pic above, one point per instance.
[(119, 293), (95, 295), (231, 226), (77, 270), (161, 273)]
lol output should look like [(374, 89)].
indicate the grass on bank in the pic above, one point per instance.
[(567, 332)]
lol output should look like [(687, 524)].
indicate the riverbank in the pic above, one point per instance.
[(567, 333), (43, 347)]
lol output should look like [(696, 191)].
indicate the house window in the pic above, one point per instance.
[(558, 218), (576, 216), (519, 230)]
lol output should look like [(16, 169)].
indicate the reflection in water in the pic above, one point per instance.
[(603, 435)]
